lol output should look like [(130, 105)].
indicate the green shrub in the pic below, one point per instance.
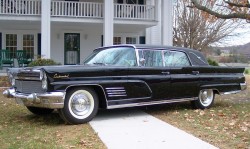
[(212, 62), (247, 71), (43, 62)]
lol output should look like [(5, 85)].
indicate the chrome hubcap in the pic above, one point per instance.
[(81, 104), (206, 97)]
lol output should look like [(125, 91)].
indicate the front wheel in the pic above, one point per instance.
[(40, 111), (80, 106), (205, 99)]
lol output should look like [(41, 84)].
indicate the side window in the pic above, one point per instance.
[(152, 58), (176, 59)]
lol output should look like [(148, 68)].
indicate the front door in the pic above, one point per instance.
[(71, 48)]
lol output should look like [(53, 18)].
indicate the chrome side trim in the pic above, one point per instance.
[(243, 86), (214, 85), (232, 92), (150, 103)]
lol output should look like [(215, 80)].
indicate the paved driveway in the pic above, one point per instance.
[(135, 129)]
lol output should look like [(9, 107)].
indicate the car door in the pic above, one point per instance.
[(184, 77), (152, 72)]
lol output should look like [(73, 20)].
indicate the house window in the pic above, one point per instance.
[(11, 44), (28, 45), (140, 2), (117, 40), (131, 40)]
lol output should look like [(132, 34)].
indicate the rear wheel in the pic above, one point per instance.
[(40, 111), (205, 99), (80, 106)]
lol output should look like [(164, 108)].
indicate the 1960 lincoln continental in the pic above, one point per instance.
[(123, 76)]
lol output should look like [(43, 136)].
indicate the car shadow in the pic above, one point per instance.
[(52, 119), (104, 114)]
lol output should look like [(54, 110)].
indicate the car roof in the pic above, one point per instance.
[(196, 57), (146, 46)]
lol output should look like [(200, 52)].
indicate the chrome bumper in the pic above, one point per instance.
[(243, 86), (52, 100)]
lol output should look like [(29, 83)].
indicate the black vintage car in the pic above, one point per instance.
[(123, 76)]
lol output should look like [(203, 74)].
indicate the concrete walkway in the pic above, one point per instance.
[(134, 129)]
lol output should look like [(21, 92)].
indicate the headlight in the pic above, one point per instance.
[(41, 74), (43, 77), (11, 78)]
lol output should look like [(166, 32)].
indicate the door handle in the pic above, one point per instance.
[(165, 72), (195, 72)]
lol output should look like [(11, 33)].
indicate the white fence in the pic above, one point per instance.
[(127, 11), (20, 7), (77, 9)]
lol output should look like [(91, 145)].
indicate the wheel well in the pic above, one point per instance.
[(216, 91), (99, 91)]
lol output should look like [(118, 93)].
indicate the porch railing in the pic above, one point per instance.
[(77, 9), (20, 7), (127, 11)]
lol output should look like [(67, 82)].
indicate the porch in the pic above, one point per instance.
[(92, 23), (79, 10)]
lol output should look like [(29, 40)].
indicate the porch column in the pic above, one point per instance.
[(108, 22), (45, 29), (167, 22)]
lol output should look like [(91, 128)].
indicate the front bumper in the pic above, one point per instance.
[(243, 86), (51, 100)]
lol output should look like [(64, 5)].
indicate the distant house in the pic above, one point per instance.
[(68, 30)]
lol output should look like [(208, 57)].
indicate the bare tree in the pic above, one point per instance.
[(194, 29), (226, 9)]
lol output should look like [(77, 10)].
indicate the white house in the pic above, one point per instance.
[(68, 30)]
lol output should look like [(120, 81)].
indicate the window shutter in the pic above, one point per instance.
[(1, 41), (142, 40), (102, 40), (39, 44), (141, 2), (120, 1)]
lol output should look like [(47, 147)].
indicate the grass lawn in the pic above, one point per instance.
[(21, 129), (225, 125)]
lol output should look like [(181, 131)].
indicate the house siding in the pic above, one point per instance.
[(91, 29)]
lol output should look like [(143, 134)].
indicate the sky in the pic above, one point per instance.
[(242, 36)]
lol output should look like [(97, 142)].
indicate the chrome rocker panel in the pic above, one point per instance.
[(51, 100)]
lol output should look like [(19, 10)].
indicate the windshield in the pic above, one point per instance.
[(118, 56)]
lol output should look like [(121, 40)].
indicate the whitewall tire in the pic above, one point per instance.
[(205, 99), (80, 106)]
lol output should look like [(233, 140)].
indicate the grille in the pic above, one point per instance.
[(29, 86)]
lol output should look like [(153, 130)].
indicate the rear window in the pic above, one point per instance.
[(175, 59), (198, 59)]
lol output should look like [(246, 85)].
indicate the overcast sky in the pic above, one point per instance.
[(242, 36)]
